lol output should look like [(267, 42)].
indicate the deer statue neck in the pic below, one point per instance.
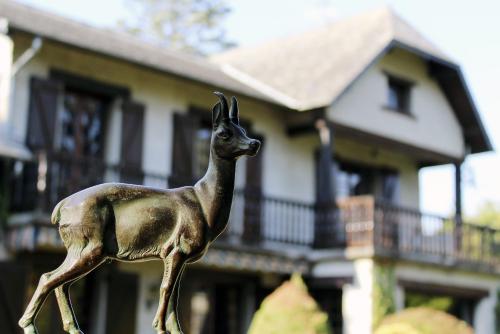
[(215, 192)]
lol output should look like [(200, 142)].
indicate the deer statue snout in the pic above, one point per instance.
[(253, 147)]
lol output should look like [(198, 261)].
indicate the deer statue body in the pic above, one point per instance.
[(116, 221)]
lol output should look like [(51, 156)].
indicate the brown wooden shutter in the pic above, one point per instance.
[(42, 119), (253, 195), (185, 126), (42, 113), (132, 142)]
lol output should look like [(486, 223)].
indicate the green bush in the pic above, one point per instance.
[(422, 320), (440, 303), (384, 286), (290, 310)]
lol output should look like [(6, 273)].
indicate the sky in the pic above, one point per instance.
[(468, 31)]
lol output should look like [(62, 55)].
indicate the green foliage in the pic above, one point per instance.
[(193, 26), (290, 310), (384, 287), (421, 320), (488, 215), (441, 303)]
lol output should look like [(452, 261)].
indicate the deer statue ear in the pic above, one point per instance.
[(216, 115), (234, 112), (223, 106)]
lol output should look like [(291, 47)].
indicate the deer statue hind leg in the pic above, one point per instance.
[(68, 317), (173, 265), (78, 262)]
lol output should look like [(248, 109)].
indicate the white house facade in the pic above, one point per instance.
[(333, 194)]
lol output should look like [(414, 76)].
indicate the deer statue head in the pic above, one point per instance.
[(229, 139)]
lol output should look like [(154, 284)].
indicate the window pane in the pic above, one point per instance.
[(398, 95), (393, 102), (82, 124), (202, 151)]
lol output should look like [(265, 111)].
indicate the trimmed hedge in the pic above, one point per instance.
[(290, 310), (422, 320)]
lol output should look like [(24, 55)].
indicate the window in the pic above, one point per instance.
[(354, 179), (81, 121), (202, 139), (81, 139), (398, 97)]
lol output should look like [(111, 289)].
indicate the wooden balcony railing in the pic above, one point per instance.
[(398, 232), (353, 223)]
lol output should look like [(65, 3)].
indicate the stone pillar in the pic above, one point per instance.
[(399, 295), (112, 147), (357, 301), (484, 314), (458, 192), (100, 299), (6, 50), (458, 206)]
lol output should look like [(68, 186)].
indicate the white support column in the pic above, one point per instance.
[(98, 324), (400, 298), (357, 304), (113, 140), (149, 285), (6, 50), (484, 314)]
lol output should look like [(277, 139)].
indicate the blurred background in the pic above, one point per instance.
[(377, 180)]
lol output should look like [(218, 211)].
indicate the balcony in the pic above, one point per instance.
[(356, 225)]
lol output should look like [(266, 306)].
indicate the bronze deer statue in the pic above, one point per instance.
[(124, 222)]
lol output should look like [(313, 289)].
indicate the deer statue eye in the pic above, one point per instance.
[(224, 135)]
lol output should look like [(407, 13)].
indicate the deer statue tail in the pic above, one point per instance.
[(56, 214)]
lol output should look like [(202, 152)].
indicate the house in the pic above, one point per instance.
[(347, 113)]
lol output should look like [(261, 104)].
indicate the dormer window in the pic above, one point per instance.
[(398, 97)]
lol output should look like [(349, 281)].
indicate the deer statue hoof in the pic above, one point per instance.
[(30, 329), (172, 326), (76, 331)]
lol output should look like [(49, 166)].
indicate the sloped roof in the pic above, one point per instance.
[(303, 72), (121, 46), (312, 69)]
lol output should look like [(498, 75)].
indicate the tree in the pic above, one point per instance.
[(488, 215), (193, 26)]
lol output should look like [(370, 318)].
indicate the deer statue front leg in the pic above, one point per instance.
[(173, 264), (172, 324)]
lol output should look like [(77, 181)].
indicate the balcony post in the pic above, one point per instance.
[(326, 233), (254, 206), (458, 192), (6, 57), (458, 206), (42, 182)]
